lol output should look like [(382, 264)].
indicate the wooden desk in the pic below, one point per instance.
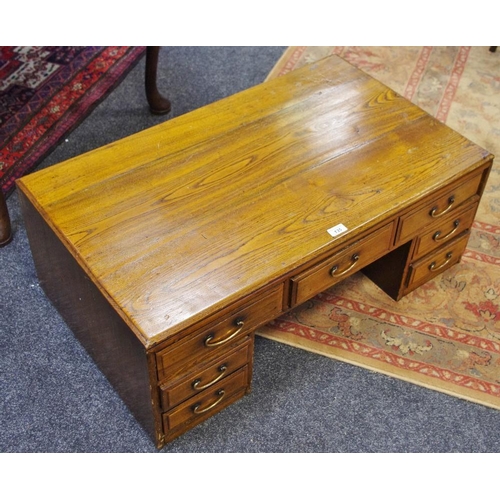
[(165, 251)]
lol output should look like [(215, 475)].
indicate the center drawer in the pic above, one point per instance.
[(341, 264), (208, 342)]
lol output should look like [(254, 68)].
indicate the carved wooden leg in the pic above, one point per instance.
[(158, 105), (5, 231)]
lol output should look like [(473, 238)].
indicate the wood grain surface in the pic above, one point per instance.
[(182, 219)]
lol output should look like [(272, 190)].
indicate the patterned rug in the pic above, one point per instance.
[(45, 92), (445, 335)]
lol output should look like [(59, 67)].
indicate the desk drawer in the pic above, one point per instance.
[(174, 393), (447, 229), (438, 206), (207, 403), (431, 265), (341, 264), (208, 342)]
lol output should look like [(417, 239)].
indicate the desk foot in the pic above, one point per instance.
[(158, 105), (5, 230)]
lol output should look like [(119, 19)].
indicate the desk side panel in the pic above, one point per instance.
[(113, 346)]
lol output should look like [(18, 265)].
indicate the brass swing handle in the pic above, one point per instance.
[(334, 269), (198, 411), (197, 382), (209, 341), (437, 236), (434, 212), (433, 267)]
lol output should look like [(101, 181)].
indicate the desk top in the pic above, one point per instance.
[(180, 220)]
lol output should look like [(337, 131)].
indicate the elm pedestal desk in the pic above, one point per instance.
[(166, 250)]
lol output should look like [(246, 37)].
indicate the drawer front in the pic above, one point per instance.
[(342, 264), (205, 344), (207, 403), (438, 207), (431, 265), (204, 378), (450, 227)]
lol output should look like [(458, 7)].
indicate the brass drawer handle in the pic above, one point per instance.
[(197, 382), (434, 213), (437, 236), (209, 340), (196, 408), (334, 269), (433, 267)]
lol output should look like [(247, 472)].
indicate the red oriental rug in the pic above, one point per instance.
[(45, 92), (445, 335)]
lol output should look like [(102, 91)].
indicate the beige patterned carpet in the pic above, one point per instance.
[(445, 335)]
